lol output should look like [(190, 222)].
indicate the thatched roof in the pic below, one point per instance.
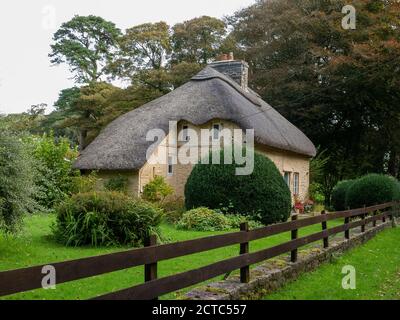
[(209, 95)]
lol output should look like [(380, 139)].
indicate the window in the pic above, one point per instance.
[(170, 166), (216, 131), (287, 177), (185, 133), (296, 183)]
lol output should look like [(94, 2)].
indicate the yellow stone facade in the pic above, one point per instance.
[(294, 166)]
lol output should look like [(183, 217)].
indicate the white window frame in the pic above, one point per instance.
[(296, 183)]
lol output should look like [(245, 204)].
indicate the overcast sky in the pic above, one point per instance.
[(27, 26)]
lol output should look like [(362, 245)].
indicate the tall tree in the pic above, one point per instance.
[(145, 46), (198, 40), (87, 45)]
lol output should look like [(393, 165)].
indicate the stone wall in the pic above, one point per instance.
[(275, 273), (284, 160)]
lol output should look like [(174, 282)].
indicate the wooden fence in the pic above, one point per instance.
[(21, 280)]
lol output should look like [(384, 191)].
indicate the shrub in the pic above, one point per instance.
[(262, 195), (105, 218), (85, 183), (371, 190), (118, 184), (54, 166), (173, 210), (316, 193), (339, 192), (203, 219), (17, 187), (157, 190), (235, 220)]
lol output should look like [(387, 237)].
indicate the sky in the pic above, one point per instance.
[(26, 28)]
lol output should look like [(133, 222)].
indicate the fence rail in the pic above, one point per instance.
[(21, 280)]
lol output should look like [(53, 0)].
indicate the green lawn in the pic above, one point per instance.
[(377, 265), (35, 247)]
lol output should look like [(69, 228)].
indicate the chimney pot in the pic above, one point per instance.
[(222, 57)]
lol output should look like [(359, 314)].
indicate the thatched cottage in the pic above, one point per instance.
[(218, 97)]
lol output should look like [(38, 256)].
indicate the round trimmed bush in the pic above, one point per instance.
[(105, 218), (263, 195), (203, 219), (338, 198), (371, 190)]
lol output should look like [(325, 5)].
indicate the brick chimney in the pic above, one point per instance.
[(237, 70)]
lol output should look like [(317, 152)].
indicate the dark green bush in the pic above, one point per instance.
[(262, 195), (105, 218), (371, 190), (338, 199)]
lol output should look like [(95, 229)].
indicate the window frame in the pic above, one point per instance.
[(170, 166), (296, 183), (289, 182)]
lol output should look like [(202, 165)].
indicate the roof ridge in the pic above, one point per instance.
[(209, 73)]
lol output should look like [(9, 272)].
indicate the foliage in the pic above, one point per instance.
[(85, 183), (145, 46), (371, 190), (235, 220), (316, 193), (262, 195), (203, 219), (105, 218), (173, 210), (157, 190), (118, 183), (198, 40), (87, 45), (17, 187), (339, 194), (54, 167)]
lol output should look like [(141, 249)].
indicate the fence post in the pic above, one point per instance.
[(347, 232), (384, 219), (244, 249), (325, 227), (363, 218), (374, 223), (150, 270), (295, 234)]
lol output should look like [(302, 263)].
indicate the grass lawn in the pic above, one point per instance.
[(35, 247), (377, 265)]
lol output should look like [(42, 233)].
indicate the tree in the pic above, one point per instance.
[(337, 85), (145, 46), (87, 45), (198, 40), (16, 182)]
